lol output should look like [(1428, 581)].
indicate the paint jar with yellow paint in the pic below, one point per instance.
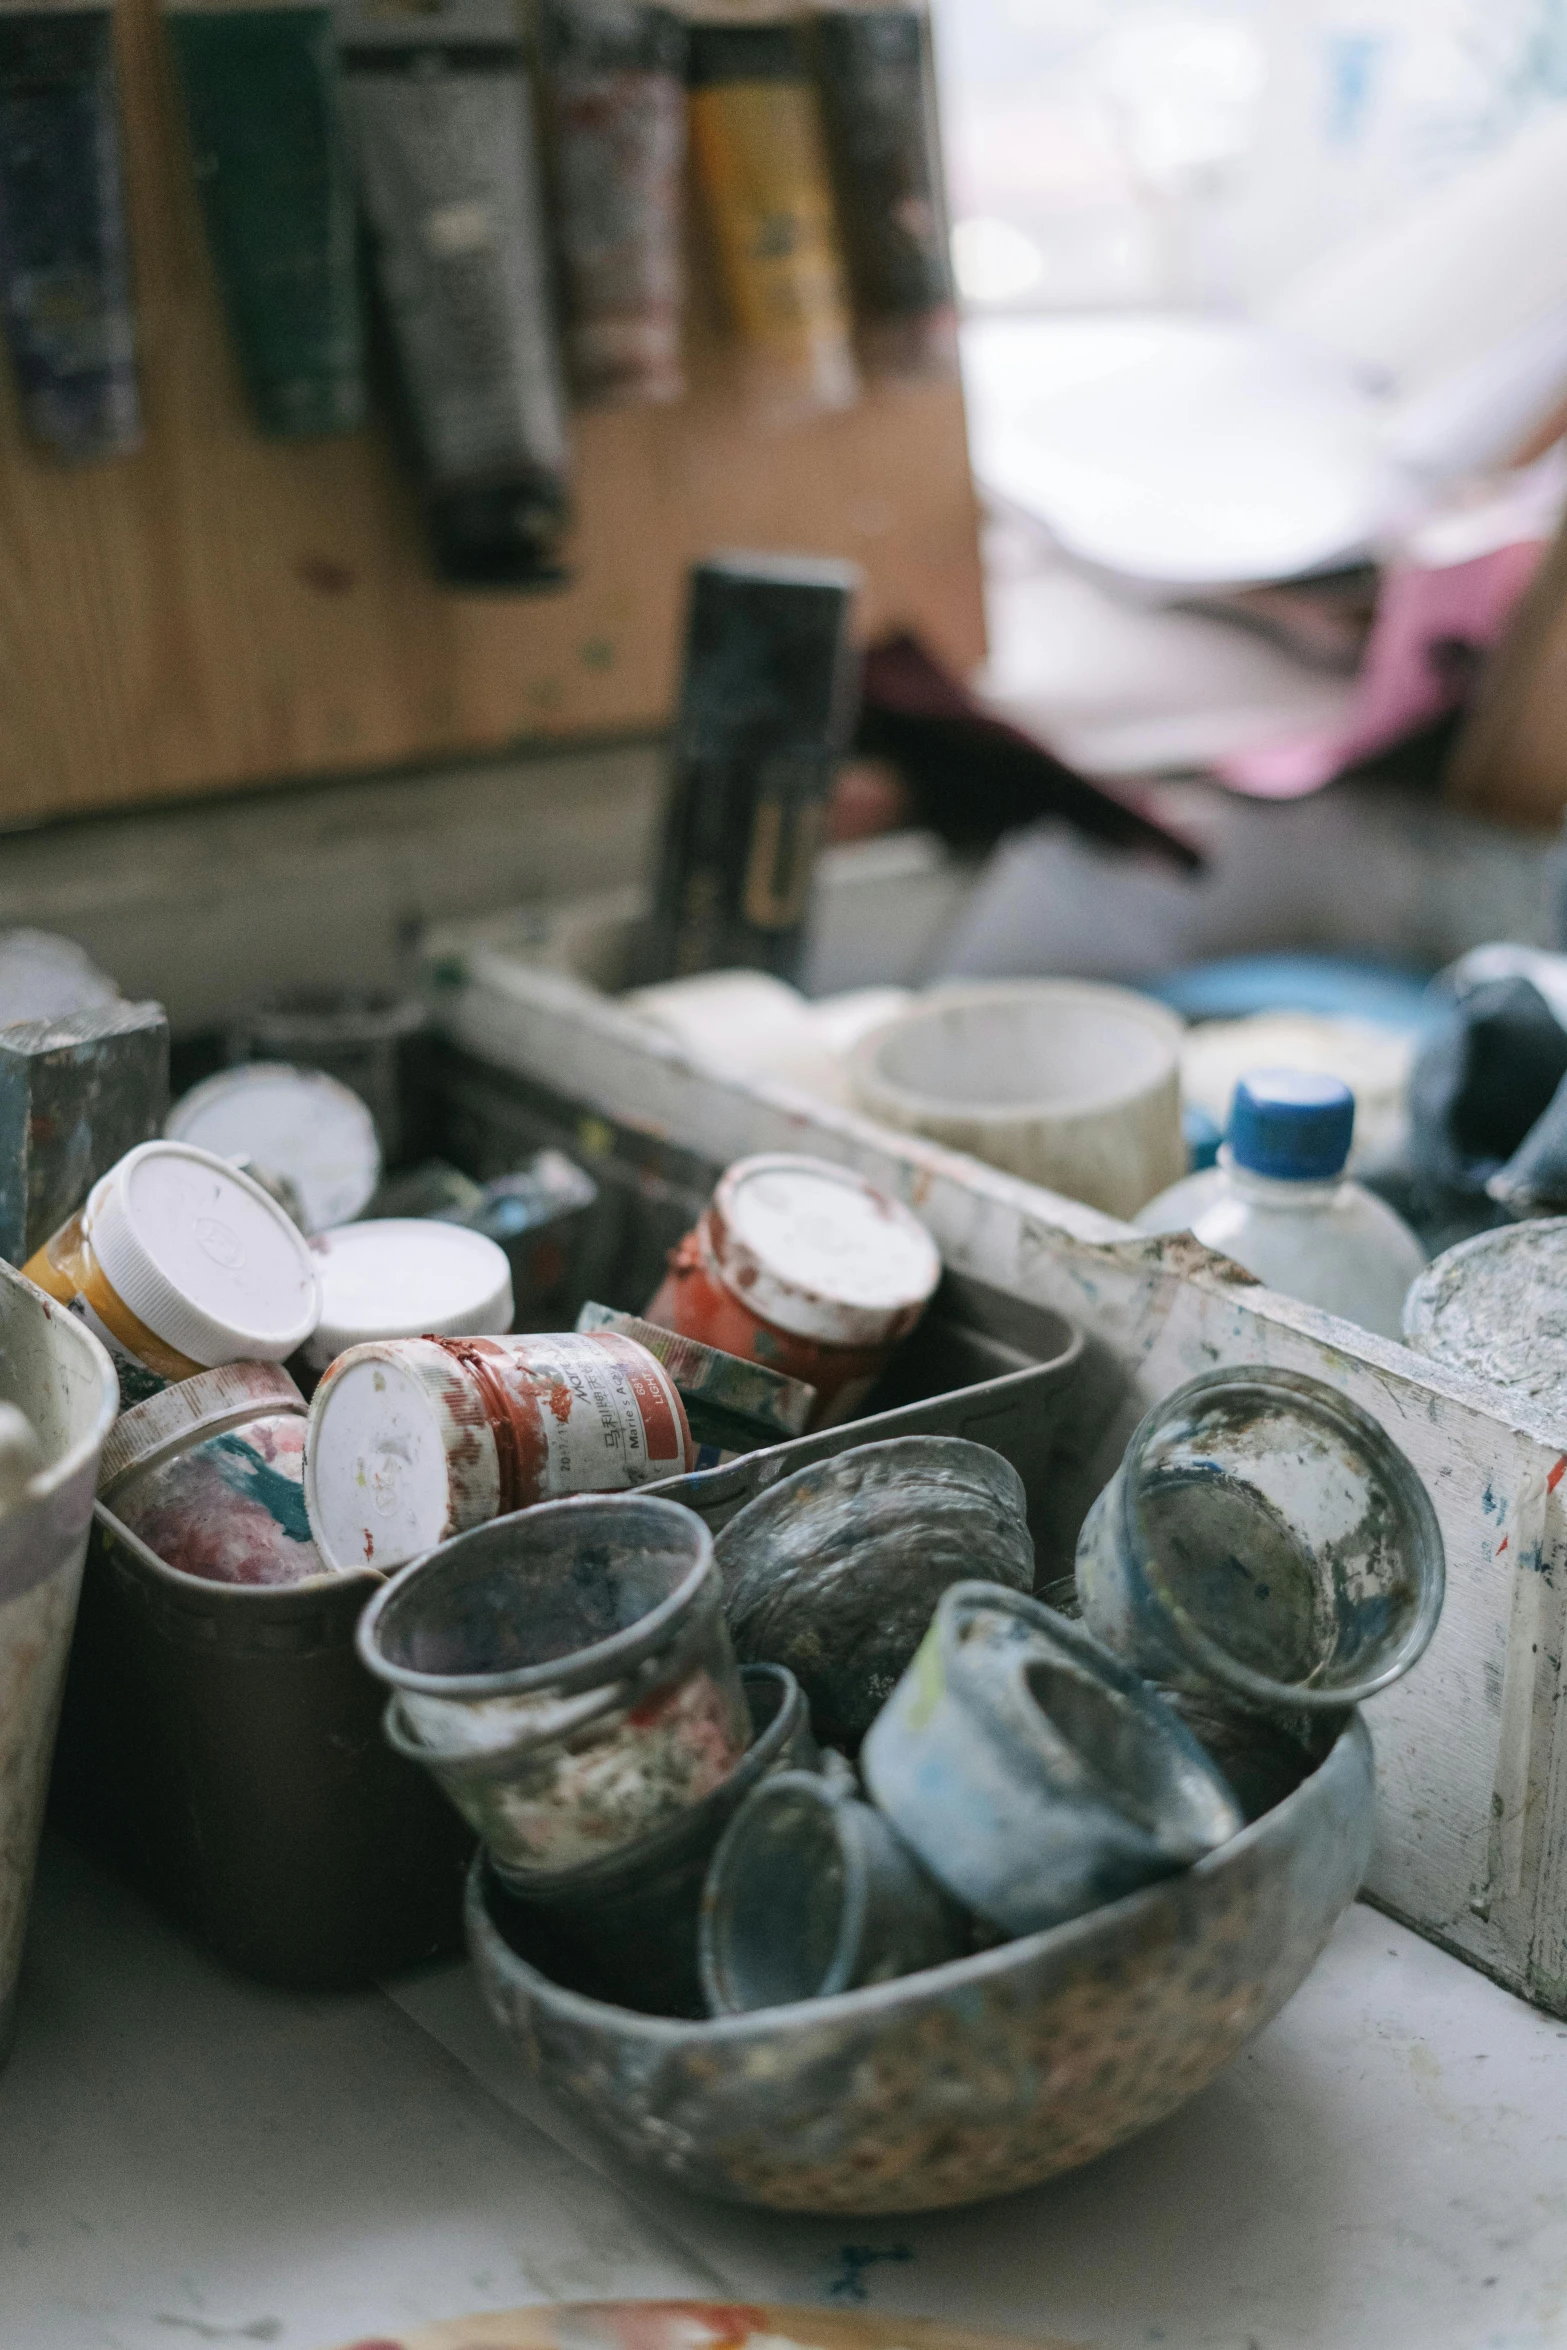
[(761, 163), (178, 1263)]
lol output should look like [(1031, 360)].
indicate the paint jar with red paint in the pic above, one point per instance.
[(566, 1675), (210, 1475), (414, 1440), (806, 1267)]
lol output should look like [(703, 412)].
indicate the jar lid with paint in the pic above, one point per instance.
[(1496, 1306), (818, 1251), (200, 1254), (298, 1124), (407, 1277)]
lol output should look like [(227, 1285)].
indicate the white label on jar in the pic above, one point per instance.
[(607, 1419)]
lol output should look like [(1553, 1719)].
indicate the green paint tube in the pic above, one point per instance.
[(260, 90)]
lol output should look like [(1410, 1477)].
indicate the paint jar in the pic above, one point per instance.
[(1067, 1084), (210, 1475), (1265, 1538), (877, 80), (812, 1892), (406, 1277), (178, 1263), (415, 1440), (760, 161), (299, 1126), (616, 81), (1492, 1306), (566, 1674), (1035, 1775), (835, 1571), (625, 1928), (805, 1267)]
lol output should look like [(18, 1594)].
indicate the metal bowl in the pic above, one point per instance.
[(974, 2078)]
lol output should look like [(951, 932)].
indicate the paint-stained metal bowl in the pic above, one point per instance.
[(981, 2076)]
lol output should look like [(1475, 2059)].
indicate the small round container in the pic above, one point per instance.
[(210, 1475), (415, 1440), (806, 1267), (566, 1675), (1066, 1084), (299, 1125), (407, 1277), (1265, 1537), (812, 1892), (1035, 1775), (181, 1263), (1496, 1306)]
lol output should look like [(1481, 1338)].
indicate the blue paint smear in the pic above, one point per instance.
[(245, 1472), (854, 2259), (1352, 61)]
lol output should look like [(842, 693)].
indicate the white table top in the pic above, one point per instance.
[(184, 2158)]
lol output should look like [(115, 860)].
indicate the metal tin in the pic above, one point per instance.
[(1494, 1306), (625, 1928), (616, 81), (415, 1440), (806, 1267), (835, 1570), (77, 1091), (301, 1125), (210, 1475), (975, 2078), (406, 1277), (566, 1674), (812, 1892), (58, 1378), (1265, 1537), (1033, 1773), (221, 1746)]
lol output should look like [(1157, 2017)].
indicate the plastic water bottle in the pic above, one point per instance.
[(1279, 1203)]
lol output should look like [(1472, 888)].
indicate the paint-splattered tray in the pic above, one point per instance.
[(690, 2325)]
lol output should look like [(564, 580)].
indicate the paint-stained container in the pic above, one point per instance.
[(439, 107), (406, 1277), (615, 73), (211, 1476), (65, 286), (761, 163), (566, 1675), (413, 1441), (804, 1266), (876, 77), (260, 91), (178, 1262), (766, 706)]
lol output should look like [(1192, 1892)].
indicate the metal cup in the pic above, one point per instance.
[(1032, 1773), (1263, 1536), (566, 1674), (812, 1892)]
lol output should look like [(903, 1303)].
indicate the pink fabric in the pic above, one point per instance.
[(1404, 683)]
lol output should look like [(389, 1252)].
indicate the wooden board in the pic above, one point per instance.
[(221, 610), (691, 2325)]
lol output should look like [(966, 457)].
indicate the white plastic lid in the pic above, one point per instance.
[(378, 1484), (297, 1123), (408, 1277), (199, 1253), (816, 1250)]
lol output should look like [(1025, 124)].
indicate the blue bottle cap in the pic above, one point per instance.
[(1292, 1123)]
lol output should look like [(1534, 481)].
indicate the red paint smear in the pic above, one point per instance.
[(560, 1401), (1556, 1475), (369, 1545), (1502, 1545)]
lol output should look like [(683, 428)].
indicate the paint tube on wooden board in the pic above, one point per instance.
[(260, 91), (65, 288), (766, 705), (876, 77), (615, 76), (760, 159), (439, 107)]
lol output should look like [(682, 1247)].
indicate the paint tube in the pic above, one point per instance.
[(756, 137), (438, 102), (65, 288), (616, 81), (765, 709), (876, 78), (260, 91)]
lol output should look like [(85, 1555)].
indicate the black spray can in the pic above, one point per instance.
[(766, 707)]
